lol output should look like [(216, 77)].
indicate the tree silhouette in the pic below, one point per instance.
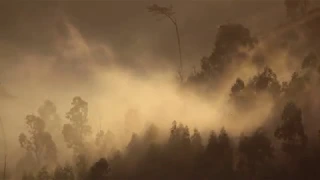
[(255, 152), (178, 150), (168, 12), (78, 129), (39, 142), (81, 166), (118, 165), (181, 154), (226, 158), (186, 142), (104, 141), (151, 165), (233, 41), (296, 86), (196, 142), (266, 81), (291, 131), (202, 77), (218, 160), (179, 137), (212, 143), (238, 86), (229, 38), (134, 144), (100, 170), (151, 134)]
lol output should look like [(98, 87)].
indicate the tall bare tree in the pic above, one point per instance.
[(169, 13)]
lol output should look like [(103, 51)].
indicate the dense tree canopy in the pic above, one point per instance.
[(284, 146)]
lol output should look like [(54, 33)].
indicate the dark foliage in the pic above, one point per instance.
[(100, 170), (287, 149)]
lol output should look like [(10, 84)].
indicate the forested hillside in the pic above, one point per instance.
[(272, 84)]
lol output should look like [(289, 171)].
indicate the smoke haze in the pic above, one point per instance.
[(118, 57)]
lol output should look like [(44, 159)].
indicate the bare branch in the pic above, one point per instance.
[(168, 12), (158, 10)]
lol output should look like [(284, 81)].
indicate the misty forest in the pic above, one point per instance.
[(247, 110)]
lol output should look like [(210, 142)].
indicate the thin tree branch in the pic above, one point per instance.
[(167, 12)]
